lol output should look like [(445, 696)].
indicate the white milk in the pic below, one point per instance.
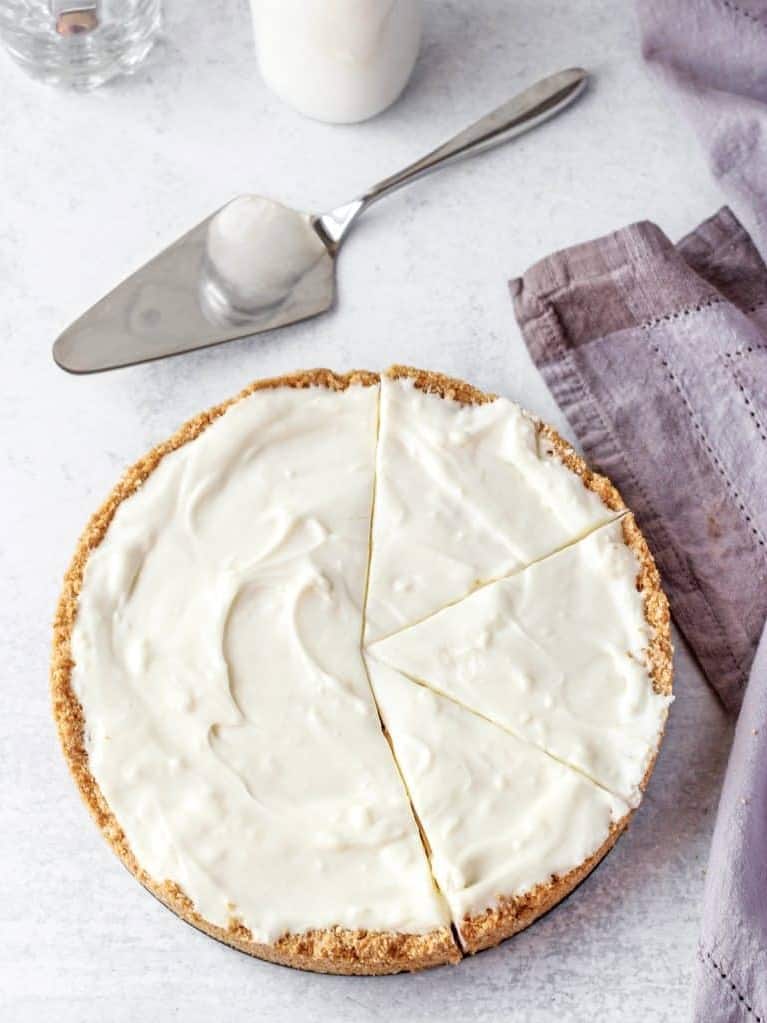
[(337, 60)]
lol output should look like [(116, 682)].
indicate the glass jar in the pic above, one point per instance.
[(337, 60), (82, 44)]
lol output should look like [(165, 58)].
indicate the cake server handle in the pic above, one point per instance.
[(530, 108)]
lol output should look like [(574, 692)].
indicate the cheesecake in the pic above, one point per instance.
[(360, 673)]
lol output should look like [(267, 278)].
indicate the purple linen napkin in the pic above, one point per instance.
[(657, 354), (713, 55), (731, 978)]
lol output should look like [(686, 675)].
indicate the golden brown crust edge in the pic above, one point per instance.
[(657, 613), (437, 383), (458, 390), (335, 950), (660, 651), (326, 951), (514, 914)]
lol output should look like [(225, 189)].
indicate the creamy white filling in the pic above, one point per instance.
[(501, 816), (230, 723), (464, 494), (259, 250), (556, 653)]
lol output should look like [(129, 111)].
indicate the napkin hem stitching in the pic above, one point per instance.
[(657, 528), (707, 957), (718, 463), (749, 15)]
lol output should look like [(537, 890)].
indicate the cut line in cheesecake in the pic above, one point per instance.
[(470, 488), (416, 818), (481, 585), (230, 816), (510, 827), (570, 654)]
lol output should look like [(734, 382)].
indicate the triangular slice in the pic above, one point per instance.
[(511, 830), (468, 489), (571, 654)]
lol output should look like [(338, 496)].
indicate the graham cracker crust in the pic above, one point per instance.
[(514, 914)]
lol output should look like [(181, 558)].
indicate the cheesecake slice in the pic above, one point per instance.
[(511, 830), (571, 654), (468, 488), (211, 694)]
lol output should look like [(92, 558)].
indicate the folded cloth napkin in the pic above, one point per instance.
[(657, 354)]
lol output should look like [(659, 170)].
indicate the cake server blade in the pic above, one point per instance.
[(173, 305), (165, 309)]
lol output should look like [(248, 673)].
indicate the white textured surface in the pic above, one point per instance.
[(90, 186)]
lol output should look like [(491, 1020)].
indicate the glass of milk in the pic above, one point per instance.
[(337, 60)]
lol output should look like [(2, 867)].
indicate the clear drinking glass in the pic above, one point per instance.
[(81, 43)]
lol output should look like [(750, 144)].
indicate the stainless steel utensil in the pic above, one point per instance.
[(172, 305)]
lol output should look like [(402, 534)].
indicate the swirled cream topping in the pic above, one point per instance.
[(501, 816), (230, 723), (465, 494), (218, 657), (259, 250), (556, 653)]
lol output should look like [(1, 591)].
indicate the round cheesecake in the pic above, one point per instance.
[(362, 673)]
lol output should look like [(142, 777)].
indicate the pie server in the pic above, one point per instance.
[(171, 306)]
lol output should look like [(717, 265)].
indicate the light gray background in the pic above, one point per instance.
[(92, 185)]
